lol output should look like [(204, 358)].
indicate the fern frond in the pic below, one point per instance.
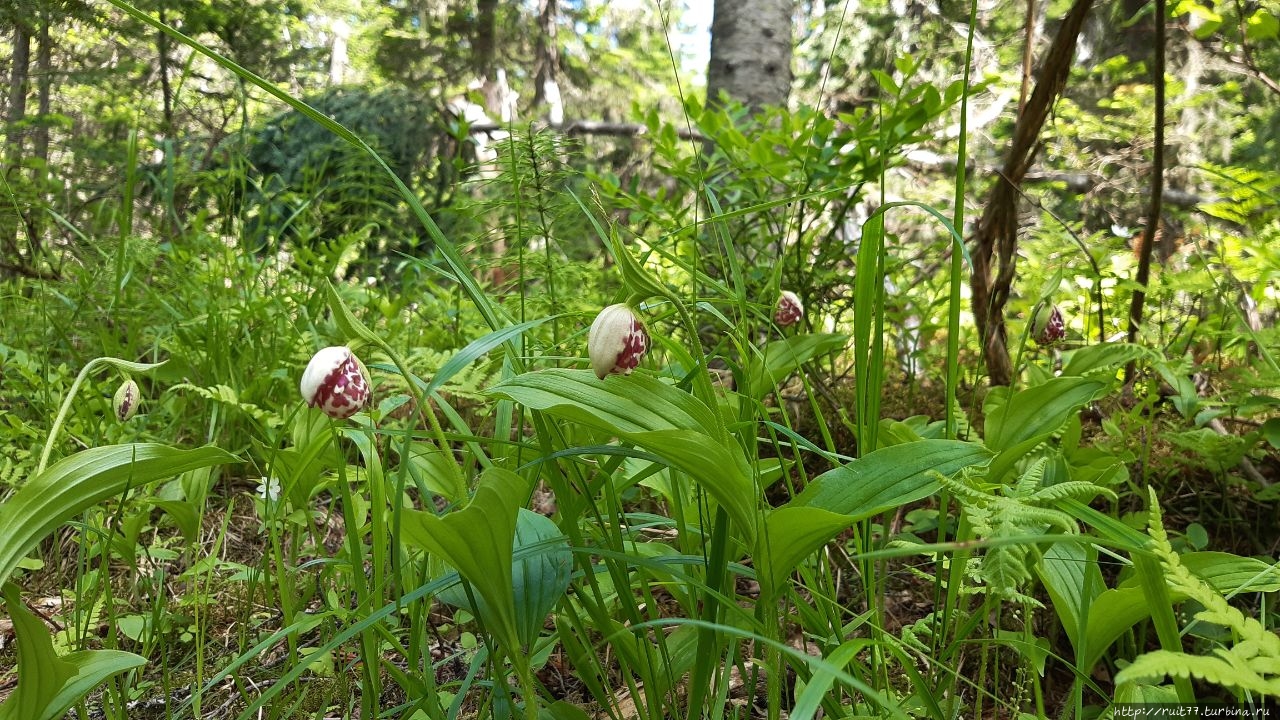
[(1156, 665), (964, 492), (1031, 479), (226, 395), (1024, 518), (1070, 490), (1251, 663)]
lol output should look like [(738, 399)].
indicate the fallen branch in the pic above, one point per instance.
[(590, 127)]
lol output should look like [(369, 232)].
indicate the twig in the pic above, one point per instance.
[(1247, 468)]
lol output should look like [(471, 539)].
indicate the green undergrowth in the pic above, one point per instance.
[(835, 517)]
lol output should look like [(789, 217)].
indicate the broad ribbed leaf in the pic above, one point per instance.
[(76, 483), (791, 534), (478, 541), (783, 357), (662, 419), (48, 684), (1066, 569), (434, 469), (1230, 574), (92, 668), (623, 404), (889, 477), (1111, 614), (1103, 358), (1038, 410), (538, 580)]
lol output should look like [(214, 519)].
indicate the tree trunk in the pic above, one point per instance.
[(998, 228), (751, 52), (485, 44), (499, 102), (44, 79), (40, 141), (546, 89), (166, 90), (338, 58), (19, 77)]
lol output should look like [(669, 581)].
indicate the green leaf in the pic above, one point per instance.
[(478, 541), (561, 710), (780, 358), (1038, 410), (133, 626), (538, 579), (350, 326), (1197, 536), (436, 470), (1262, 26), (1271, 431), (790, 535), (474, 351), (78, 482), (1230, 574), (664, 420), (184, 514), (1066, 570), (1112, 613), (1108, 357), (889, 477), (816, 689), (622, 403), (48, 684)]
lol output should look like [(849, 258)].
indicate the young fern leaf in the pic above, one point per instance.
[(1006, 513), (1250, 664), (1070, 490), (227, 395)]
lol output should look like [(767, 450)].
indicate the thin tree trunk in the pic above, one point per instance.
[(485, 43), (166, 91), (997, 231), (546, 88), (40, 149), (1157, 192), (1028, 51), (11, 261), (44, 79), (19, 78)]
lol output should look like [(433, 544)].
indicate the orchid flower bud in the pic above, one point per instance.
[(1048, 327), (789, 309), (126, 401), (617, 340), (336, 382)]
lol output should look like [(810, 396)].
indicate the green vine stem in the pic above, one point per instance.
[(122, 365)]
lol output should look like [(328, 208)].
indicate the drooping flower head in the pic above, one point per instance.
[(789, 310), (335, 382), (617, 340), (126, 400), (1048, 327)]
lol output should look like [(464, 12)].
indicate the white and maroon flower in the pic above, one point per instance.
[(335, 382), (126, 400), (789, 309), (1048, 327), (617, 340)]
